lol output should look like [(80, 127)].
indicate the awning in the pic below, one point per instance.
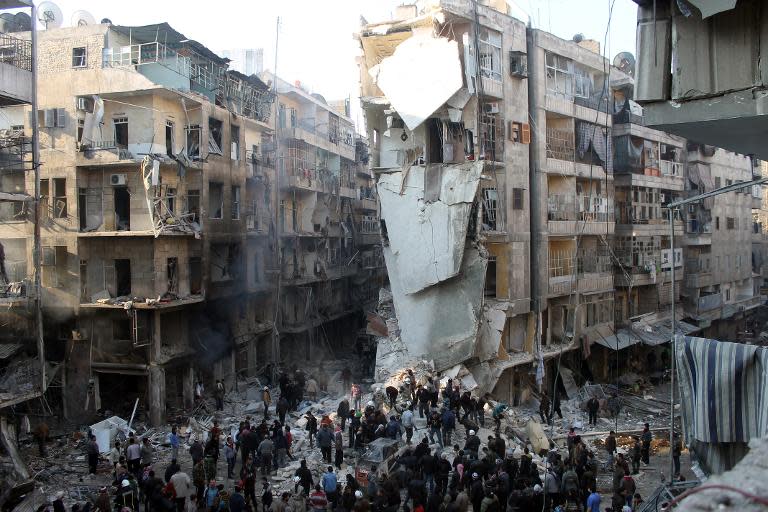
[(619, 341), (651, 333)]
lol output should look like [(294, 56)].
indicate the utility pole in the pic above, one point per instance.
[(278, 165), (36, 253)]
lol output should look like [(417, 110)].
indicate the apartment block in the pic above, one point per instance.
[(574, 185), (165, 225)]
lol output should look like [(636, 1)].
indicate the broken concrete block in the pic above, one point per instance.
[(536, 436), (254, 407)]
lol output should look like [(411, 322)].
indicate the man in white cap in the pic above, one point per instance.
[(472, 443), (58, 502)]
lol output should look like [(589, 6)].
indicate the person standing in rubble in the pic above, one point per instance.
[(266, 397), (199, 391), (338, 444), (41, 430), (408, 425), (93, 455), (311, 427), (219, 395), (544, 412), (229, 456), (342, 412), (304, 476), (610, 447), (677, 449), (448, 424), (196, 451), (325, 441), (265, 450), (434, 422), (422, 397), (646, 437), (133, 456), (593, 406), (392, 393), (357, 396), (637, 451), (281, 408)]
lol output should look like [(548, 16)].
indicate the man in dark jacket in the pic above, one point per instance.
[(342, 412), (593, 405), (646, 437), (476, 492), (449, 425), (305, 478), (325, 441), (428, 463)]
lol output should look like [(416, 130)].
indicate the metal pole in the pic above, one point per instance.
[(674, 349), (36, 253), (278, 164)]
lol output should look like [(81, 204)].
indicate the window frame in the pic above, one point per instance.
[(83, 59)]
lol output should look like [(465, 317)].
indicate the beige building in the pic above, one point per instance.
[(159, 201)]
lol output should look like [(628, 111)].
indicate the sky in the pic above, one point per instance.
[(316, 44)]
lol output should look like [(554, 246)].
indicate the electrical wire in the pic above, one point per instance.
[(754, 497)]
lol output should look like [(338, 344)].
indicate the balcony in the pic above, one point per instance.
[(257, 164), (586, 273), (670, 168), (697, 233), (580, 215), (584, 110), (584, 283), (709, 302), (337, 271), (15, 70), (365, 204), (257, 223), (307, 132)]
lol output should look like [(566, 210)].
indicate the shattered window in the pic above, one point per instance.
[(490, 204), (193, 141), (559, 74), (79, 57), (490, 54), (215, 129)]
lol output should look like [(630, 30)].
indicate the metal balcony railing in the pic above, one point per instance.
[(670, 168), (16, 52), (580, 207)]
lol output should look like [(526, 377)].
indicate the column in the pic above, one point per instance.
[(156, 395)]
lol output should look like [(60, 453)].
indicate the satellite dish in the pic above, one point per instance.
[(82, 18), (625, 62), (106, 21), (577, 38), (49, 14)]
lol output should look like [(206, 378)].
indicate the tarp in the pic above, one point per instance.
[(724, 397)]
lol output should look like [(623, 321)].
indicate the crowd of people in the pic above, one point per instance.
[(436, 471)]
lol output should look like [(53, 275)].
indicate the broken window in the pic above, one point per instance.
[(195, 275), (122, 277), (490, 141), (172, 269), (224, 261), (193, 141), (80, 129), (559, 74), (193, 204), (170, 200), (256, 268), (169, 138), (490, 277), (730, 222), (215, 129), (141, 333), (121, 132), (235, 202), (122, 200), (54, 266), (235, 146), (60, 198), (490, 54), (83, 281), (79, 55), (215, 200), (490, 205)]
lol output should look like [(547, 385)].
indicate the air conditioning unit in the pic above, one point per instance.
[(662, 198), (117, 179), (491, 108), (691, 208), (82, 103)]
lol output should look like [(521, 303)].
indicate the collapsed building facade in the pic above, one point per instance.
[(522, 204), (161, 211)]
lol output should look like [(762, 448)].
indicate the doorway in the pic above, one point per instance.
[(122, 209)]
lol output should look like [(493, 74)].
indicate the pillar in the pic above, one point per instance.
[(156, 393), (188, 387)]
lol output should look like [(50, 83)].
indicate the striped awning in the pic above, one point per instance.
[(724, 397)]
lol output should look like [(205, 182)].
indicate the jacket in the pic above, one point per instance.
[(181, 485)]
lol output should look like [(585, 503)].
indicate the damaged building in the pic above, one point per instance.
[(170, 245), (523, 206), (445, 98)]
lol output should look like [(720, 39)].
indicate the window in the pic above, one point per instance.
[(727, 294), (123, 277), (195, 275), (559, 74), (54, 266), (59, 198), (717, 182), (80, 129), (52, 117), (79, 57), (256, 268), (490, 206), (172, 270), (193, 141), (490, 54), (121, 131), (582, 84), (121, 329), (728, 183), (215, 200), (193, 204), (170, 200), (235, 136), (717, 222), (215, 128), (169, 138), (490, 277), (45, 201), (235, 202), (730, 222), (517, 199)]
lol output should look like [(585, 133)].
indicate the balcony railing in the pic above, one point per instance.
[(709, 302), (581, 208), (670, 168), (16, 52)]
